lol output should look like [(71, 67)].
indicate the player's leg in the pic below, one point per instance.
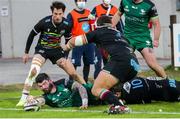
[(100, 89), (97, 62), (88, 59), (150, 59), (36, 65), (76, 57), (68, 67)]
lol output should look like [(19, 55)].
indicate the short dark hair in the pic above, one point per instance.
[(58, 5), (103, 20), (41, 77), (77, 0)]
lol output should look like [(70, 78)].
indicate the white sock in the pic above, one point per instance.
[(29, 80), (24, 96)]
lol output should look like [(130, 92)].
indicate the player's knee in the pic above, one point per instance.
[(34, 71)]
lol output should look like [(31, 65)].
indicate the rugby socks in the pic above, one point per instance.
[(108, 96), (86, 69), (25, 94), (34, 71)]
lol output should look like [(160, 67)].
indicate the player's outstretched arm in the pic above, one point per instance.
[(83, 94), (75, 41), (34, 103)]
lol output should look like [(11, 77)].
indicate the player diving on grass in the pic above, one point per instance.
[(145, 90), (51, 29), (62, 93)]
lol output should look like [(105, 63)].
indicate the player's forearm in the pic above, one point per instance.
[(116, 18), (76, 41), (157, 29), (29, 41), (82, 92), (81, 89)]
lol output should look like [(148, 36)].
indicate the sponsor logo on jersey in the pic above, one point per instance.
[(62, 31), (134, 7), (41, 51), (143, 12), (47, 20), (148, 43), (126, 9), (127, 87), (85, 27)]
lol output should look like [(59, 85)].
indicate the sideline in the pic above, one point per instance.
[(87, 111)]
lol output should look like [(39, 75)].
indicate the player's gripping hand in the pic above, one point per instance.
[(32, 104), (83, 107)]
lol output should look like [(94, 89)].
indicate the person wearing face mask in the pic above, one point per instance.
[(105, 8), (51, 29), (80, 24), (138, 13)]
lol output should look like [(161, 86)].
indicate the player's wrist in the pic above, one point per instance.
[(84, 101)]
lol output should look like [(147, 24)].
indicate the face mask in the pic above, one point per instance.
[(107, 1), (81, 5)]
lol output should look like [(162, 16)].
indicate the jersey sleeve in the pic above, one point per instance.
[(37, 28), (153, 12), (68, 34), (91, 37), (121, 8), (93, 12), (70, 20)]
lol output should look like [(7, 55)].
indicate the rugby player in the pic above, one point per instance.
[(51, 29), (138, 13), (121, 67), (145, 90)]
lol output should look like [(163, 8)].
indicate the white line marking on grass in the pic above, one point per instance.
[(88, 111)]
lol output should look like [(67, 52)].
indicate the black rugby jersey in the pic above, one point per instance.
[(50, 33), (110, 39)]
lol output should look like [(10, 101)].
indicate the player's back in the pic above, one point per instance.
[(164, 90), (135, 91)]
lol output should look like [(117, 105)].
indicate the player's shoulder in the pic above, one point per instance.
[(149, 2), (65, 22), (46, 19)]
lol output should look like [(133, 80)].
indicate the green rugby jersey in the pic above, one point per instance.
[(63, 97), (137, 16)]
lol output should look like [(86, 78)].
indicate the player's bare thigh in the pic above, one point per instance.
[(103, 81)]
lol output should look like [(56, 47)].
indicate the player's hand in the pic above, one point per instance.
[(83, 107), (30, 98), (25, 58), (156, 43), (65, 48), (91, 17)]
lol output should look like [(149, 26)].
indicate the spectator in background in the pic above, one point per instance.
[(78, 18), (105, 8)]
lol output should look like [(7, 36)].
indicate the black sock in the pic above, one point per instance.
[(110, 98)]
